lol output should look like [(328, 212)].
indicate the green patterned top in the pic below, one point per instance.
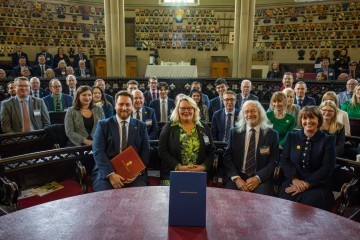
[(282, 126), (190, 145)]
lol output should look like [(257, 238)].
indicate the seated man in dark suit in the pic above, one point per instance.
[(245, 94), (252, 153), (216, 103), (152, 93), (15, 57), (132, 85), (36, 89), (301, 99), (22, 64), (114, 135), (145, 114), (11, 91), (329, 72), (224, 119), (71, 85), (40, 69), (101, 84), (81, 56), (205, 98), (23, 113), (57, 101), (163, 105), (82, 70), (47, 56)]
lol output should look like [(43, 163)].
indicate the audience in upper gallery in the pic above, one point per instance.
[(60, 71), (49, 73), (132, 85), (320, 76), (11, 91), (57, 101), (245, 87), (291, 107), (82, 70), (274, 72), (48, 56), (163, 105), (351, 71), (343, 77), (40, 69), (59, 57), (195, 94), (71, 83), (2, 73), (15, 57), (341, 62), (145, 114), (70, 71), (252, 152), (282, 121), (185, 143), (352, 106), (22, 64), (82, 117), (23, 113), (224, 119), (216, 103), (342, 116), (300, 75), (100, 100), (287, 81), (152, 93), (25, 72), (331, 125), (301, 99), (36, 89), (101, 84), (308, 161), (114, 135), (346, 95), (81, 56), (329, 72), (205, 98)]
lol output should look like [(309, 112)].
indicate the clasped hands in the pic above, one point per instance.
[(247, 186), (118, 181), (297, 186), (192, 168)]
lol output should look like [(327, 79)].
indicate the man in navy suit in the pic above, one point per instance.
[(36, 90), (48, 56), (329, 72), (15, 57), (222, 122), (252, 153), (22, 64), (71, 85), (81, 56), (245, 94), (82, 70), (152, 93), (57, 101), (205, 98), (132, 85), (145, 114), (113, 135), (301, 99), (101, 84), (216, 103), (163, 106), (39, 70)]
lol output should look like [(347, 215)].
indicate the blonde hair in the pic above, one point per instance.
[(175, 116), (354, 101), (292, 107), (333, 97), (335, 126)]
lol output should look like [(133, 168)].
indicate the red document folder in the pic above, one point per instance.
[(127, 163)]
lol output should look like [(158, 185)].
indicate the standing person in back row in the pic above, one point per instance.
[(163, 105)]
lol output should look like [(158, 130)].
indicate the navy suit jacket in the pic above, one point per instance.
[(250, 97), (48, 58), (42, 93), (148, 114), (155, 104), (37, 70), (65, 99), (307, 101), (15, 58), (265, 163), (106, 144), (331, 73), (77, 72), (218, 124), (148, 97), (205, 100), (17, 71), (77, 59), (217, 104)]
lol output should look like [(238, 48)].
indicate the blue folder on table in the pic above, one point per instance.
[(187, 201)]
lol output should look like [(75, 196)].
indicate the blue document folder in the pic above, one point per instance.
[(187, 201)]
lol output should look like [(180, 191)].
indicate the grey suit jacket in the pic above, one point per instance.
[(250, 97), (74, 124), (11, 119)]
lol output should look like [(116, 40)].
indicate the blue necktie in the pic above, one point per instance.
[(228, 127), (137, 115), (250, 165), (123, 136)]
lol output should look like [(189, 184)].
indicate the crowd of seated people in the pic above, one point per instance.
[(186, 140)]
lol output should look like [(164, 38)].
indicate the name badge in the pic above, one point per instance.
[(148, 122), (271, 126), (206, 140), (331, 74), (37, 113), (48, 59), (265, 150)]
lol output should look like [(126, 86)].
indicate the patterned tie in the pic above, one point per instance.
[(228, 127), (123, 136), (250, 165), (57, 105), (137, 115), (36, 94), (26, 120), (72, 93), (153, 95), (163, 112), (42, 71)]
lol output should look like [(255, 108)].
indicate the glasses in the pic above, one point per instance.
[(229, 100), (183, 109), (23, 86), (56, 87), (327, 111)]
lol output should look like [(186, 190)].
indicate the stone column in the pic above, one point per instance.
[(244, 31), (115, 37)]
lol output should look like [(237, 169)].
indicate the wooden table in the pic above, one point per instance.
[(175, 71), (142, 213)]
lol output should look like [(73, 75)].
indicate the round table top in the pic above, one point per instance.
[(142, 213)]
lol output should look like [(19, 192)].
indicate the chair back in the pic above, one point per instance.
[(57, 117), (355, 126)]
